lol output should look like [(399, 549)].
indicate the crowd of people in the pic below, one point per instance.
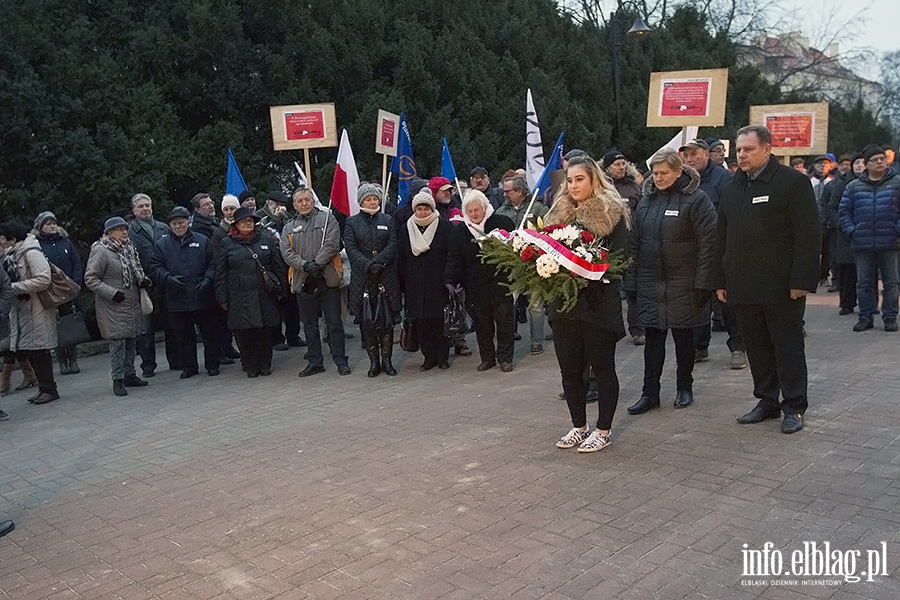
[(713, 248)]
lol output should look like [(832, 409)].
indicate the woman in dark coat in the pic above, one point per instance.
[(422, 259), (587, 335), (371, 244), (252, 311), (671, 278), (489, 302), (60, 251)]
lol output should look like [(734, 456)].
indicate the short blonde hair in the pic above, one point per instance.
[(667, 156)]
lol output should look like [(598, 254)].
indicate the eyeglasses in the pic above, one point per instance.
[(878, 159), (479, 177)]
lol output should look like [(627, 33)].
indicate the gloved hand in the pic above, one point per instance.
[(176, 281), (145, 284), (119, 296), (313, 269), (23, 297), (376, 268)]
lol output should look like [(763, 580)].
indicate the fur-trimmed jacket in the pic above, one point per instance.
[(672, 241), (608, 218)]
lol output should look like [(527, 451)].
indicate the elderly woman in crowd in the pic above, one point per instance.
[(489, 302), (60, 251), (252, 310), (7, 297), (424, 245), (371, 245), (670, 281), (230, 204), (9, 358), (587, 335), (32, 327), (115, 275)]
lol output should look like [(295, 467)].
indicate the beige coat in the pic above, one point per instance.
[(31, 326), (103, 276)]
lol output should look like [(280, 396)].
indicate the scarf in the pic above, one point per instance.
[(420, 241), (477, 229), (369, 211), (11, 265), (132, 272)]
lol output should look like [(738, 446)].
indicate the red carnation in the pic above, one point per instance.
[(586, 236), (552, 228), (528, 253), (604, 257)]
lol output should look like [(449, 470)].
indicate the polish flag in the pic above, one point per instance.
[(346, 180)]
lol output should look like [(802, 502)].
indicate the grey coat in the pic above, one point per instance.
[(103, 276), (7, 297), (31, 326), (301, 242)]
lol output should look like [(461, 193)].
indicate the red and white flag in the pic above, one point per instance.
[(346, 180)]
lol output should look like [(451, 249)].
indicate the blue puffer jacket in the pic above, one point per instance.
[(870, 212)]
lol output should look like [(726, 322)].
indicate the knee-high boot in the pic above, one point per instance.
[(370, 343), (386, 340), (72, 356), (63, 360)]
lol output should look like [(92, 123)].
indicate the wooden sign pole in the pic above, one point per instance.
[(384, 172), (308, 170)]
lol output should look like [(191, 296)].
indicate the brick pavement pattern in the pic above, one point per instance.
[(447, 484)]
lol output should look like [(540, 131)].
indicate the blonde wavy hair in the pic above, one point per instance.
[(601, 187)]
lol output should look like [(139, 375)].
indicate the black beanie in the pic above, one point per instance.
[(870, 151)]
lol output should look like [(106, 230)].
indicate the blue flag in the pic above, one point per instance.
[(234, 181), (403, 164), (447, 168), (554, 164)]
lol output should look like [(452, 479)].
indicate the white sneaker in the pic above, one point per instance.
[(575, 436), (595, 442)]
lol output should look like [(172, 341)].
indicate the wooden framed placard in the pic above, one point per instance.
[(387, 133), (303, 126), (681, 98), (797, 129)]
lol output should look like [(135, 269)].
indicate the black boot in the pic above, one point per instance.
[(375, 367), (387, 347), (119, 388), (63, 361)]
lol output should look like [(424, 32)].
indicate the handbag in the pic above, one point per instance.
[(455, 318), (146, 303), (71, 330), (409, 341), (270, 282), (62, 288), (375, 311)]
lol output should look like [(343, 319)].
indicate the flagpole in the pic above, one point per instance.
[(458, 188), (308, 171), (385, 191), (384, 171), (528, 210)]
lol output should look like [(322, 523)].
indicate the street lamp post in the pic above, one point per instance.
[(638, 31)]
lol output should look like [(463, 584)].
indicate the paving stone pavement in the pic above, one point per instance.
[(447, 484)]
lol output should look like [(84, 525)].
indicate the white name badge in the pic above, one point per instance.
[(758, 199), (382, 227), (671, 213), (193, 245), (298, 228), (263, 247)]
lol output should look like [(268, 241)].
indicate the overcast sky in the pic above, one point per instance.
[(878, 22)]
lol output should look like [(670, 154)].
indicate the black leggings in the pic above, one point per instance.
[(577, 345)]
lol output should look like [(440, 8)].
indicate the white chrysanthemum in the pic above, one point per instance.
[(566, 234), (584, 253), (546, 266), (518, 244)]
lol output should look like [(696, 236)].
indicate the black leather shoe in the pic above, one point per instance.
[(427, 366), (280, 347), (342, 369), (226, 360), (792, 423), (757, 415), (684, 398), (6, 527), (311, 370), (643, 405), (187, 374), (444, 366), (134, 381), (253, 375), (212, 372)]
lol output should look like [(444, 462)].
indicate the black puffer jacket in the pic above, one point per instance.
[(60, 250), (191, 259), (464, 266), (371, 239), (240, 284), (672, 242)]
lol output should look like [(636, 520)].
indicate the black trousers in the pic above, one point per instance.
[(577, 345), (42, 363), (825, 256), (434, 346), (290, 321), (773, 334), (499, 312), (655, 358), (186, 340), (703, 333), (256, 348), (631, 316), (328, 304), (846, 285), (146, 343)]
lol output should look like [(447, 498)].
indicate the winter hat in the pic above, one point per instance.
[(830, 156), (713, 142), (367, 189), (244, 195), (231, 200), (244, 212), (870, 151), (179, 212), (697, 143), (423, 197), (475, 170), (43, 218), (280, 198), (844, 157), (610, 157), (112, 223), (439, 183)]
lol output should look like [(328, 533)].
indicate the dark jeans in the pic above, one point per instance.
[(703, 333), (328, 303), (186, 340), (256, 349), (434, 346), (776, 353), (846, 285), (655, 358), (502, 313), (42, 363), (868, 266), (578, 345)]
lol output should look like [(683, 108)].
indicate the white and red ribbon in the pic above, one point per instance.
[(556, 250)]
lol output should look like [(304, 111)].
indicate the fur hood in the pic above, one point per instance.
[(60, 231), (684, 185), (599, 215)]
